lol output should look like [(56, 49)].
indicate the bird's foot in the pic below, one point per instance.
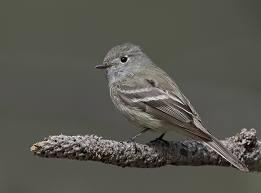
[(160, 139), (131, 140)]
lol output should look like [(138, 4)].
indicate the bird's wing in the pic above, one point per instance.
[(176, 109), (159, 102)]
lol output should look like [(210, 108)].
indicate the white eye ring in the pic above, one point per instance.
[(124, 59)]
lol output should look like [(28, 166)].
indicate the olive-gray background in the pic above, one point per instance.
[(48, 50)]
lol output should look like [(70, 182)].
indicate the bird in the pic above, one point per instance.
[(148, 97)]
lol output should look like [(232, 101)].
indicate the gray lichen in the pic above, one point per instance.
[(243, 145)]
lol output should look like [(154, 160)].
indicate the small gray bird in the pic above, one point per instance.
[(148, 97)]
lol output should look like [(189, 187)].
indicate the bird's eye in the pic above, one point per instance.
[(124, 59)]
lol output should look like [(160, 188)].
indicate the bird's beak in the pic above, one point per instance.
[(103, 66)]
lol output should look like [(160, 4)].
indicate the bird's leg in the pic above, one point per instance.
[(160, 138), (132, 139)]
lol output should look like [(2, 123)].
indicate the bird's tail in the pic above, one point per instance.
[(216, 145)]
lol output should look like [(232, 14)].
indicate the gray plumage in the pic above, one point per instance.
[(148, 97)]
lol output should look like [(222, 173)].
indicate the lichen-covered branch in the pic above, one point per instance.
[(244, 145)]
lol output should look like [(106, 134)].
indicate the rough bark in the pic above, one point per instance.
[(244, 145)]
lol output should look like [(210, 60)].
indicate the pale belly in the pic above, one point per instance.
[(144, 120)]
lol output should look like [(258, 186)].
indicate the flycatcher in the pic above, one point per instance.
[(148, 97)]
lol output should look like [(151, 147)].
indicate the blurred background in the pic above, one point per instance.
[(48, 50)]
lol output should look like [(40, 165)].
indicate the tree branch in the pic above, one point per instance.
[(244, 145)]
